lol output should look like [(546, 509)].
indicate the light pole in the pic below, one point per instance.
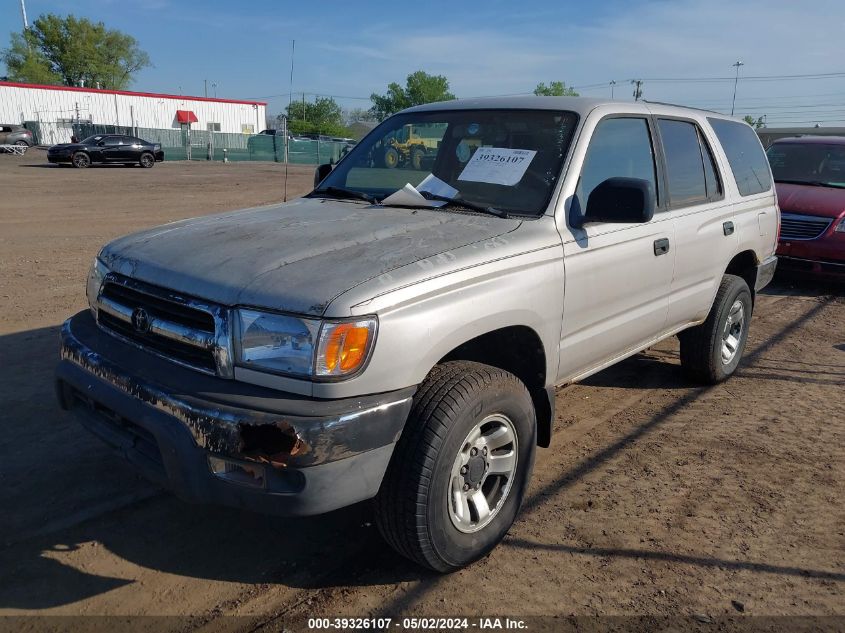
[(737, 64), (612, 85), (23, 15)]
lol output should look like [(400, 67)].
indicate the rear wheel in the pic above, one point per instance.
[(711, 352), (147, 160), (81, 160), (417, 156), (22, 143), (460, 470)]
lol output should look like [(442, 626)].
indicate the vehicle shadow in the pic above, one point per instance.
[(69, 166), (78, 508)]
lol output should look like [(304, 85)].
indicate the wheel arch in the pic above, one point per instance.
[(744, 265), (519, 350)]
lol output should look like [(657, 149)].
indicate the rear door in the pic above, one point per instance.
[(705, 222), (617, 275)]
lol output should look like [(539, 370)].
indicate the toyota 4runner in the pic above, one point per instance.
[(397, 334)]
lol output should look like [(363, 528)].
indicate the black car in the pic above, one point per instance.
[(107, 148)]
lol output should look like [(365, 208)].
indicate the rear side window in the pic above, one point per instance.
[(684, 167), (690, 168), (745, 155), (619, 147)]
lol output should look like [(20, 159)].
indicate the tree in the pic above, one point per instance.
[(321, 116), (420, 88), (70, 50), (755, 123), (554, 89)]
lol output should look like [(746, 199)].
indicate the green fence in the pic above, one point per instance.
[(184, 144)]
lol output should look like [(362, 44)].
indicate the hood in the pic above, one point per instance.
[(293, 257), (65, 146), (827, 202)]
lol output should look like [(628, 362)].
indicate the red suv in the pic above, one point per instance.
[(809, 173)]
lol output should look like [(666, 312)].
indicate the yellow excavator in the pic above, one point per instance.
[(408, 149)]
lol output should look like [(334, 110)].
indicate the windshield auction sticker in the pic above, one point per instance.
[(498, 165)]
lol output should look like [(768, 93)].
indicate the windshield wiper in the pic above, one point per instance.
[(812, 183), (340, 192), (465, 204)]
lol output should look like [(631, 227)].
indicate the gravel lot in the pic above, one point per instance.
[(657, 497)]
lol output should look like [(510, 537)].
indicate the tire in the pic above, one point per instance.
[(711, 352), (22, 143), (391, 158), (147, 160), (81, 160), (416, 511), (417, 156)]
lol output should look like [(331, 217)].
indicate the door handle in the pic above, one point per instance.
[(661, 246), (728, 228)]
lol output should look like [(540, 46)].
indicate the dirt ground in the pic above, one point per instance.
[(657, 497)]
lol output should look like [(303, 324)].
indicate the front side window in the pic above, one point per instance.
[(808, 163), (507, 159), (620, 147), (745, 156)]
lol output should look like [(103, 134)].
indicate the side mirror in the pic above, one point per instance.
[(321, 172), (101, 144), (619, 201)]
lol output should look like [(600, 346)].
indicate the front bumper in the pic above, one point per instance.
[(287, 454), (58, 158), (822, 257)]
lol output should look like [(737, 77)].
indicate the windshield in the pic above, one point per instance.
[(811, 163), (507, 159)]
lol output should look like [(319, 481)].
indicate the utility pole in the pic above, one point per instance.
[(612, 85), (638, 90), (737, 64), (205, 87), (290, 94), (23, 15)]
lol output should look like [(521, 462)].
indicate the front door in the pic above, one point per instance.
[(617, 275)]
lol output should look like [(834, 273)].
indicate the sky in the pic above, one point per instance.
[(683, 50)]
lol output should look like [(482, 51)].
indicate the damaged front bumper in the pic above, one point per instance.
[(212, 440)]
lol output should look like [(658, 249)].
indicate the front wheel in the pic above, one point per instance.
[(711, 352), (147, 161), (461, 468), (81, 160)]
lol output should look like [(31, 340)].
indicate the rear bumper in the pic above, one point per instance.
[(765, 273), (285, 454)]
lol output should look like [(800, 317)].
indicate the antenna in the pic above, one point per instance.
[(290, 101)]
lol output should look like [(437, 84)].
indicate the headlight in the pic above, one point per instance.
[(96, 275), (302, 347), (840, 228)]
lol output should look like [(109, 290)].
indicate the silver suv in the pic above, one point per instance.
[(398, 333)]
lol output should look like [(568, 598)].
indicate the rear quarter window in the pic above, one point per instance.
[(745, 155)]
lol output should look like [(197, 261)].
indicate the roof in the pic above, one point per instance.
[(129, 93), (579, 105), (812, 140)]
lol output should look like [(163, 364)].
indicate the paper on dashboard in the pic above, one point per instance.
[(408, 196), (498, 165), (434, 185)]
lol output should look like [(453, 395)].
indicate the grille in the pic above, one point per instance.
[(802, 227), (177, 330)]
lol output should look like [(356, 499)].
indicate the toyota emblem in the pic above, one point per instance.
[(140, 320)]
